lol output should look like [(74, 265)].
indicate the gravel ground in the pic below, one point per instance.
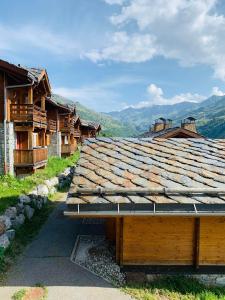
[(98, 255)]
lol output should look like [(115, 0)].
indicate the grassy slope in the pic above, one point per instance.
[(110, 126), (11, 187), (175, 288)]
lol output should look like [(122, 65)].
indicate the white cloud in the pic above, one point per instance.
[(155, 96), (28, 37), (111, 2), (217, 92), (190, 31), (126, 48)]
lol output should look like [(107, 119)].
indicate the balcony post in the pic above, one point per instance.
[(30, 140), (43, 103), (30, 95)]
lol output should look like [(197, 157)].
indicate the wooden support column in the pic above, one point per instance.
[(197, 243), (30, 95), (43, 103), (119, 241), (30, 140)]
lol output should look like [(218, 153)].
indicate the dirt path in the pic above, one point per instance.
[(46, 261)]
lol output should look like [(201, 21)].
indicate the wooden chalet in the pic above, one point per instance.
[(23, 115), (163, 200), (89, 129), (163, 128)]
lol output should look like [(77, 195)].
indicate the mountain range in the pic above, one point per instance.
[(210, 116)]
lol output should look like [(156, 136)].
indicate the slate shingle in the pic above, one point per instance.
[(147, 163)]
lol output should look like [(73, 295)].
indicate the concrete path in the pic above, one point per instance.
[(46, 261)]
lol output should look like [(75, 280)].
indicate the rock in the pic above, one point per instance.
[(20, 207), (52, 190), (11, 234), (6, 220), (24, 199), (45, 200), (33, 192), (4, 241), (42, 190), (52, 182), (2, 227), (220, 281), (39, 205), (11, 212), (19, 220), (29, 211)]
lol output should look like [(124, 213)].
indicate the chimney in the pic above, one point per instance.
[(168, 124), (189, 124), (160, 124)]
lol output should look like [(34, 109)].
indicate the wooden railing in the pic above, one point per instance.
[(52, 125), (27, 113), (24, 157), (68, 149), (77, 132), (67, 125)]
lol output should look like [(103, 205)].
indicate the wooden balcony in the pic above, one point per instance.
[(68, 149), (52, 125), (28, 113), (67, 125), (77, 132), (30, 158)]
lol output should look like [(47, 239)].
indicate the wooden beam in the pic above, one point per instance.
[(119, 241), (30, 140), (197, 243), (30, 95), (43, 102)]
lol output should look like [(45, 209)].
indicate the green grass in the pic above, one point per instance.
[(19, 295), (11, 187), (174, 288)]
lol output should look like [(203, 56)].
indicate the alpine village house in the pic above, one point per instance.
[(33, 125)]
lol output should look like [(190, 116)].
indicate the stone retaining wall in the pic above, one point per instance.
[(15, 216)]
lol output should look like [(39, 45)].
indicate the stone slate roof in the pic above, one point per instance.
[(148, 163), (91, 124), (34, 73)]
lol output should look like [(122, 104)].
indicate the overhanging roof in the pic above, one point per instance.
[(192, 168)]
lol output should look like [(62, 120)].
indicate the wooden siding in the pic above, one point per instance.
[(212, 241), (1, 97), (30, 157), (158, 240)]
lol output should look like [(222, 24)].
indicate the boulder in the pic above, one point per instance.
[(39, 204), (20, 207), (24, 199), (11, 212), (51, 182), (52, 190), (18, 221), (29, 212), (6, 220), (33, 192), (2, 227), (4, 241), (42, 190), (11, 234)]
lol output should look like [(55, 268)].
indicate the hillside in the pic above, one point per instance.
[(210, 115), (110, 126)]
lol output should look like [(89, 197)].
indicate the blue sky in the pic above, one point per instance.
[(111, 54)]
